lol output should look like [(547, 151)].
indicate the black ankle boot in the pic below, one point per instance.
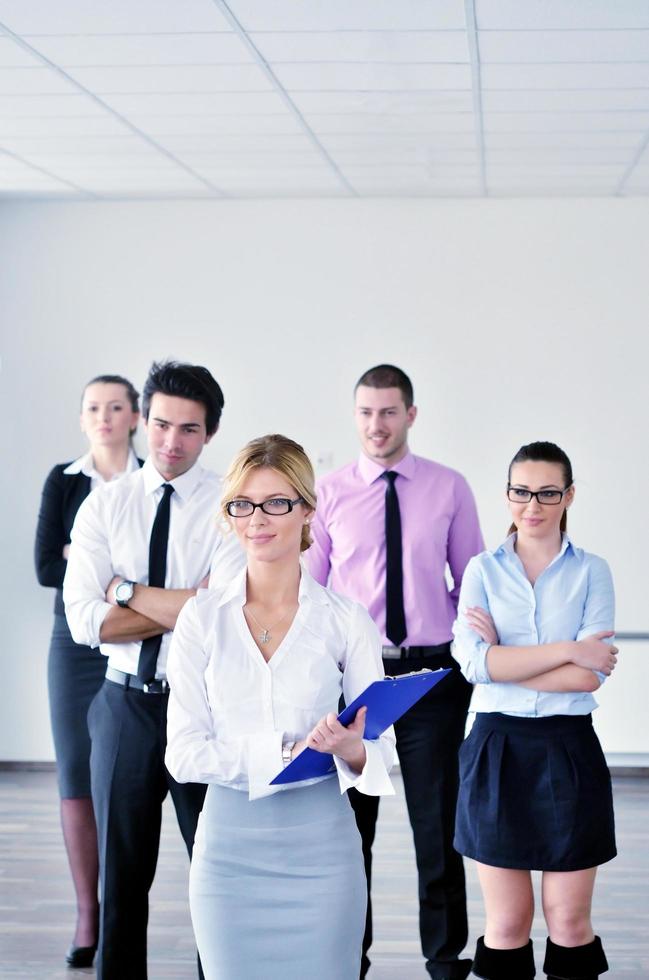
[(504, 964), (575, 962)]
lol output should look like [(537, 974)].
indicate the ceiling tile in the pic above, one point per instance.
[(46, 126), (402, 102), (379, 123), (57, 161), (196, 125), (363, 46), (563, 46), (62, 106), (140, 49), (324, 75), (146, 182), (373, 142), (418, 172), (550, 171), (557, 14), (602, 100), (412, 156), (13, 56), (32, 81), (559, 154), (251, 175), (393, 187), (589, 76), (579, 140), (565, 122), (34, 185), (162, 79), (277, 163), (76, 144), (116, 17), (222, 143), (341, 15), (195, 103)]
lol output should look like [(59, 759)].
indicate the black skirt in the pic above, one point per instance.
[(74, 673), (535, 794)]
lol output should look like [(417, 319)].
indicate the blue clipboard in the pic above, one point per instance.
[(386, 701)]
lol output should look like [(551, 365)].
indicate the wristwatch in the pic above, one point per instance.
[(124, 593), (287, 749)]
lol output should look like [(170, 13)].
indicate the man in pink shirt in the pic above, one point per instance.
[(385, 529)]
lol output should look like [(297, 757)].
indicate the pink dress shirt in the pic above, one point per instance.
[(439, 525)]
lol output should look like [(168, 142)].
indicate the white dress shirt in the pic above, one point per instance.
[(85, 464), (111, 536), (230, 711)]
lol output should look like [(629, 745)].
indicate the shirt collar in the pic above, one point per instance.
[(371, 471), (309, 589), (84, 464), (507, 547), (184, 485)]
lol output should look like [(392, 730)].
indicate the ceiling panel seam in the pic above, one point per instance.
[(621, 187), (98, 101), (223, 7), (46, 173), (476, 85)]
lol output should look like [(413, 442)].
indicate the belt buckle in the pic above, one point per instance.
[(392, 653), (156, 687)]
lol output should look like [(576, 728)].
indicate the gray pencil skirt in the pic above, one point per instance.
[(277, 886)]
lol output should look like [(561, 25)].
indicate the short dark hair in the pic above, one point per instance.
[(544, 452), (116, 379), (388, 376), (189, 381)]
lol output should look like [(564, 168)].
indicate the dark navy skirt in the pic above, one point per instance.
[(74, 675), (535, 793)]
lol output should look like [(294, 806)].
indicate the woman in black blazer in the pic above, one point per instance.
[(109, 417)]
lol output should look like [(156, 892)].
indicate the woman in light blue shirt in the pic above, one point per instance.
[(534, 636)]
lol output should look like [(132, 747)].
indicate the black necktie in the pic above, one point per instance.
[(157, 573), (395, 617)]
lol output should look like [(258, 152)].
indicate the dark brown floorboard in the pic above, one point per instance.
[(37, 908)]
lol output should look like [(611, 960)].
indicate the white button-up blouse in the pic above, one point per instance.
[(230, 711)]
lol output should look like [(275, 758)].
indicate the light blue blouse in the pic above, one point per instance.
[(571, 599)]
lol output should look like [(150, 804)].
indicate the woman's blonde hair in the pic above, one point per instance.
[(277, 453)]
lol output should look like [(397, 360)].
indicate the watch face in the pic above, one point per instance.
[(124, 591)]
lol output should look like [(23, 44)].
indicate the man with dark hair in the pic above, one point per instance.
[(189, 381), (385, 530), (140, 548)]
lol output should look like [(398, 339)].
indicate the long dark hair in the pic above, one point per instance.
[(544, 452)]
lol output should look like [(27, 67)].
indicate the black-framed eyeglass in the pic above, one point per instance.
[(519, 495), (275, 507)]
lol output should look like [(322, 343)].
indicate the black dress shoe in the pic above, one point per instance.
[(80, 956)]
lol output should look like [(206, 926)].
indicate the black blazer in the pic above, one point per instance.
[(62, 496)]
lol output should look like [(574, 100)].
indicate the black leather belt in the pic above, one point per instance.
[(416, 653), (130, 680)]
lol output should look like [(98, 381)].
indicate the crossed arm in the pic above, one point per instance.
[(150, 612), (89, 589), (568, 665)]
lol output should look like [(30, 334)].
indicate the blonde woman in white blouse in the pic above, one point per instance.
[(256, 669)]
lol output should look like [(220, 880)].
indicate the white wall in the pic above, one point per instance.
[(517, 320)]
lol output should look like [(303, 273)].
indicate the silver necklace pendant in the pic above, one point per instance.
[(264, 636)]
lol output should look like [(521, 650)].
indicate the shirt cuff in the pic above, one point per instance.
[(99, 613), (85, 620), (264, 763), (480, 669), (373, 780)]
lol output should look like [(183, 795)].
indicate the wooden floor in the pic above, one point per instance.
[(36, 903)]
